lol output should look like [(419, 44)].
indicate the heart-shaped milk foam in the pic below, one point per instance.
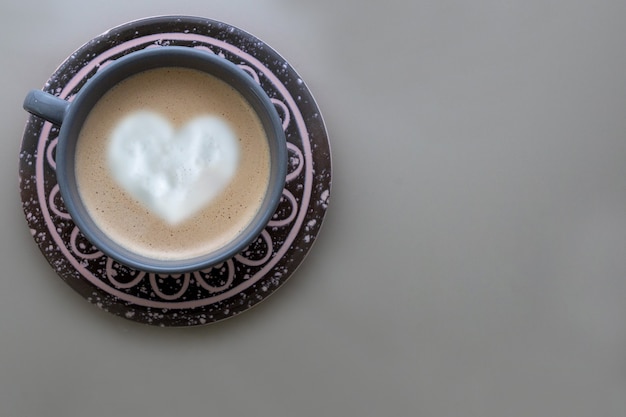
[(173, 173)]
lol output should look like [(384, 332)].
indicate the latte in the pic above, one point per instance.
[(172, 163)]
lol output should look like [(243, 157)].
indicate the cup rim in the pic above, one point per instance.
[(143, 60)]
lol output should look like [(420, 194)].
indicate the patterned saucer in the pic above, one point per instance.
[(199, 297)]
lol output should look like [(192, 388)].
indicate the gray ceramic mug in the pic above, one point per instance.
[(71, 116)]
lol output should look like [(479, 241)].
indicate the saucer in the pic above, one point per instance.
[(198, 297)]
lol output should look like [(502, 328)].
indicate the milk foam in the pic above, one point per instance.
[(173, 173), (182, 96)]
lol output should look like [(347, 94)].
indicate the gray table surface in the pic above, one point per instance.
[(472, 262)]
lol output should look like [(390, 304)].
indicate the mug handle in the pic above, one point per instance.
[(46, 105)]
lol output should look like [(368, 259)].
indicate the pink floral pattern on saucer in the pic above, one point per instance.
[(199, 297)]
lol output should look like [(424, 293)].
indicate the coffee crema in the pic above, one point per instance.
[(181, 96)]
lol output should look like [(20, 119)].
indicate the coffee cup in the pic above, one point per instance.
[(169, 159)]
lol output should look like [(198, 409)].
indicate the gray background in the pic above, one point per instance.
[(473, 259)]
